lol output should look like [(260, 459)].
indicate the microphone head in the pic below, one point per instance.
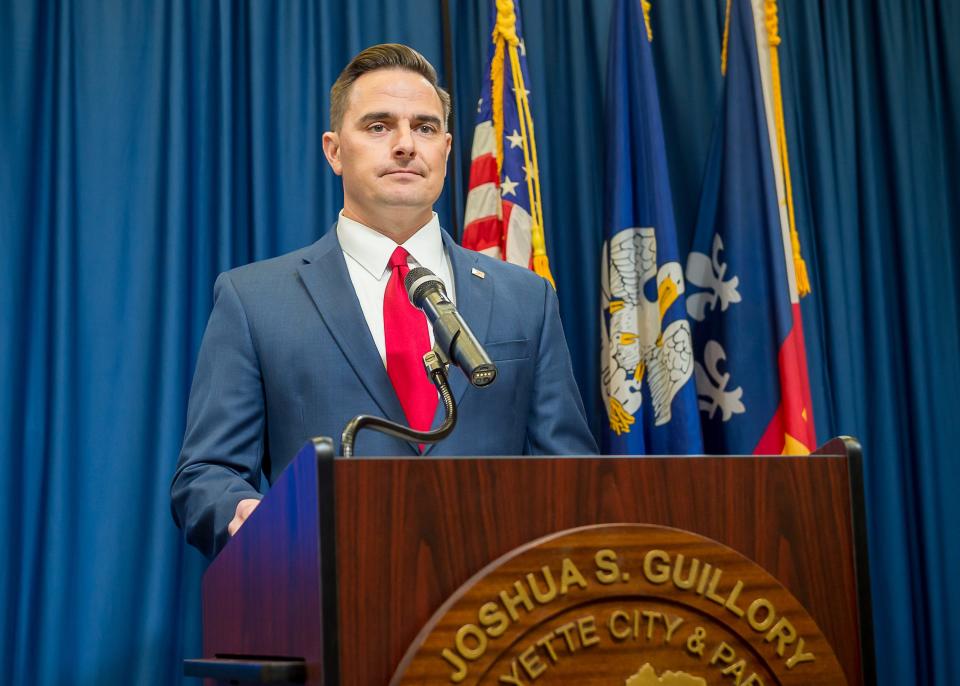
[(484, 375), (419, 281)]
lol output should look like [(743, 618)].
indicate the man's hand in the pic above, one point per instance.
[(244, 509)]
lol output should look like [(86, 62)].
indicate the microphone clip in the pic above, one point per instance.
[(436, 360)]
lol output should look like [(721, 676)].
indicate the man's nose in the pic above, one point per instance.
[(403, 144)]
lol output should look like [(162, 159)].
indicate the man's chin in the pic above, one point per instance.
[(409, 200)]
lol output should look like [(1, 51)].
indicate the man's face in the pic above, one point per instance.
[(391, 150)]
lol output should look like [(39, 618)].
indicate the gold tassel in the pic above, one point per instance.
[(772, 23), (645, 5), (505, 37)]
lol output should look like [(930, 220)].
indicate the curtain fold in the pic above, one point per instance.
[(148, 146)]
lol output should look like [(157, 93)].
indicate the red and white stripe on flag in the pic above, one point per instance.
[(492, 225)]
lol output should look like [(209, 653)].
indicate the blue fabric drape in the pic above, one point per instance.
[(144, 147), (874, 117)]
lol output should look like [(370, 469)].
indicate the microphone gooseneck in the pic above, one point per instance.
[(436, 367)]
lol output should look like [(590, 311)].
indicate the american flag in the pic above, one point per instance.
[(504, 215)]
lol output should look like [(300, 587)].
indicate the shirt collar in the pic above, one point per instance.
[(372, 250)]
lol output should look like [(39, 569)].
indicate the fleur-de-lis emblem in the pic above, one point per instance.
[(708, 273), (712, 385)]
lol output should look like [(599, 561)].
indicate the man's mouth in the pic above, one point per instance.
[(410, 172)]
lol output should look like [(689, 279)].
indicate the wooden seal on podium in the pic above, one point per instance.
[(632, 604)]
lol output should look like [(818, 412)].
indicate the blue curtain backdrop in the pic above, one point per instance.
[(144, 147)]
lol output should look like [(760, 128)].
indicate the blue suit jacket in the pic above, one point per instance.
[(287, 355)]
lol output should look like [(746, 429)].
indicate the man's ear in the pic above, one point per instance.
[(449, 144), (331, 149)]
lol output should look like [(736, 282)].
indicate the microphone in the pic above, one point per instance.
[(450, 332)]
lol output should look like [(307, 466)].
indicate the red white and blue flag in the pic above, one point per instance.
[(504, 215), (742, 275)]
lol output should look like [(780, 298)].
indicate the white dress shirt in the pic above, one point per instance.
[(367, 253)]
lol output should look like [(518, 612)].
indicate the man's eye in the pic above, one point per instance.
[(377, 128), (427, 129)]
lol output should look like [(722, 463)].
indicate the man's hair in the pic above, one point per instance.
[(384, 56)]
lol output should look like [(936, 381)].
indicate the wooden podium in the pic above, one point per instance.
[(338, 576)]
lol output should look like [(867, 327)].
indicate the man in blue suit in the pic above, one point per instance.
[(298, 345)]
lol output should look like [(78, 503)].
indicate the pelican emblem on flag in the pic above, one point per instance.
[(635, 347)]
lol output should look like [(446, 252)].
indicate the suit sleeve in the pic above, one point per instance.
[(222, 449), (557, 423)]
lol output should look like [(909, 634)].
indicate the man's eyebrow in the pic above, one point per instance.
[(371, 117), (375, 116), (427, 119)]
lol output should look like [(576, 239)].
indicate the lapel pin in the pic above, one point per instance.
[(477, 273)]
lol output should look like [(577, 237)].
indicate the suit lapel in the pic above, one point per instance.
[(474, 296), (325, 276)]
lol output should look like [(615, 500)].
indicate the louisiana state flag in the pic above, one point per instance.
[(742, 294), (646, 348), (504, 213)]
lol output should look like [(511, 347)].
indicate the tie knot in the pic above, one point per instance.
[(399, 258)]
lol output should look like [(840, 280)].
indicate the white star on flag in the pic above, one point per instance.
[(508, 187), (515, 140)]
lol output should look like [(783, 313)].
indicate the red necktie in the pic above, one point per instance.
[(407, 339)]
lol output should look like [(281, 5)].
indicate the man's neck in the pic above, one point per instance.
[(398, 227)]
